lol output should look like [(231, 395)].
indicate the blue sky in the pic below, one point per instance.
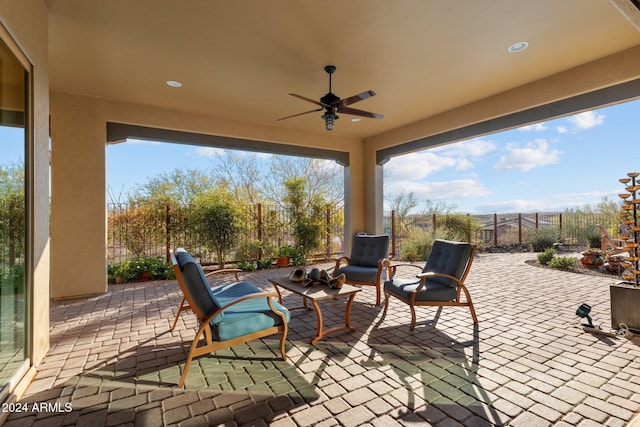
[(562, 163)]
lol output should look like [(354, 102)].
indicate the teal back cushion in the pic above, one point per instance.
[(197, 285), (449, 258), (368, 250)]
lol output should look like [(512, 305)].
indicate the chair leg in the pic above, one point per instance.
[(470, 304), (283, 339), (182, 307), (413, 317), (386, 305), (378, 293)]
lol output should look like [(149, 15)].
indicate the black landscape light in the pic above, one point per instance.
[(583, 312)]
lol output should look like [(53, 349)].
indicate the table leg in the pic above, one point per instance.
[(347, 320)]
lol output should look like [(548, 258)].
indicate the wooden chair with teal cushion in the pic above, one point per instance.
[(364, 266), (228, 314), (441, 282)]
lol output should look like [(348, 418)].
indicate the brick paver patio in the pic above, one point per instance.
[(113, 361)]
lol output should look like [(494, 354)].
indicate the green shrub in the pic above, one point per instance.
[(546, 256), (298, 256), (593, 237), (246, 266), (416, 246), (563, 262), (265, 263), (132, 269), (544, 239)]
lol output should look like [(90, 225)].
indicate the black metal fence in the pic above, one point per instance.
[(154, 229)]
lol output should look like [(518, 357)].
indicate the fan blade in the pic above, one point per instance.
[(355, 98), (313, 101), (300, 114), (354, 112)]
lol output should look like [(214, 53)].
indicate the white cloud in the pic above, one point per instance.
[(450, 191), (536, 127), (586, 120), (562, 129), (208, 151), (416, 166), (471, 148), (457, 156), (533, 154)]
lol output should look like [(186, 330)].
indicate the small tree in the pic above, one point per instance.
[(305, 213), (215, 224)]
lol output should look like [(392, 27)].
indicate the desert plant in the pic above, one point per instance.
[(593, 237), (416, 246), (132, 269), (544, 239), (545, 257), (215, 224), (563, 262), (246, 266)]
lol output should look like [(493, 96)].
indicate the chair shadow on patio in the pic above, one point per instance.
[(239, 385), (435, 370)]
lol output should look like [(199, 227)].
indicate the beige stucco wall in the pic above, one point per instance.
[(26, 21), (78, 203), (609, 71)]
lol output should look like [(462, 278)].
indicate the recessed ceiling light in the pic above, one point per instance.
[(518, 47), (174, 83), (356, 119)]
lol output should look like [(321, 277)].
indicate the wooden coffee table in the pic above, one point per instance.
[(316, 293)]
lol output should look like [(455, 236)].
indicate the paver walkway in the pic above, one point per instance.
[(113, 361)]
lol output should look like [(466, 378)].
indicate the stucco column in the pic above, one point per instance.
[(374, 193), (78, 209)]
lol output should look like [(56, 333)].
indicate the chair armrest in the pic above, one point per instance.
[(235, 271), (339, 261), (424, 276), (392, 269)]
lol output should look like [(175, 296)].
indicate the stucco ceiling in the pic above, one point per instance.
[(240, 59)]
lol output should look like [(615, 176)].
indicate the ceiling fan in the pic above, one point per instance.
[(331, 104)]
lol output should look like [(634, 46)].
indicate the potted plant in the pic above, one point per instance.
[(284, 255), (592, 257)]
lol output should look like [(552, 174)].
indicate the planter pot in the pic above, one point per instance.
[(625, 300), (145, 275), (282, 261), (592, 261)]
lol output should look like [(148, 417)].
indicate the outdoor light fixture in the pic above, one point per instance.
[(329, 119), (583, 312), (518, 47)]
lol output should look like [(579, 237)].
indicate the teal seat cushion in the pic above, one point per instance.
[(358, 273), (246, 317), (433, 291)]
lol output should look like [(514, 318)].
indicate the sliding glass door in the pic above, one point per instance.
[(14, 118)]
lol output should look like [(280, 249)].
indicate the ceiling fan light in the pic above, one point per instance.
[(329, 120)]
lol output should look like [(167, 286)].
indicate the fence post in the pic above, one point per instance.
[(433, 224), (393, 234), (328, 238), (259, 229), (536, 221), (495, 229), (560, 225), (168, 230), (520, 228)]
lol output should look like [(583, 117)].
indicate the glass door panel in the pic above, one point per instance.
[(13, 215)]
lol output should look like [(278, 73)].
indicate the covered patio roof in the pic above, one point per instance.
[(239, 61)]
